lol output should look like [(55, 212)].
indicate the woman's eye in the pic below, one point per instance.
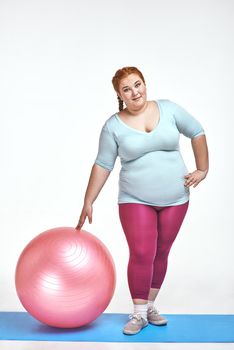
[(138, 84)]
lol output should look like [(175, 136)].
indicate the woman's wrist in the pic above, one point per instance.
[(203, 171), (88, 202)]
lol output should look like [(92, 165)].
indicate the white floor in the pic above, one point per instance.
[(16, 345)]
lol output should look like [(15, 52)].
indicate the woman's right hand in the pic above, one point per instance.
[(86, 211)]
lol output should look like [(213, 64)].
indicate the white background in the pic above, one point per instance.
[(57, 59)]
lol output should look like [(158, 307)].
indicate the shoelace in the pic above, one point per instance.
[(153, 310), (135, 316)]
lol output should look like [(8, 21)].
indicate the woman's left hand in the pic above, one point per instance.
[(194, 178)]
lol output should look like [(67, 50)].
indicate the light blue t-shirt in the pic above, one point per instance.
[(152, 169)]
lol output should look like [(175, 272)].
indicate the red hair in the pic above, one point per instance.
[(123, 73)]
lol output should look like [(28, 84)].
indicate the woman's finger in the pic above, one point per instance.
[(79, 225), (190, 182), (90, 218), (82, 219), (196, 183)]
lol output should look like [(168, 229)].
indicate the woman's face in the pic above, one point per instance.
[(132, 91)]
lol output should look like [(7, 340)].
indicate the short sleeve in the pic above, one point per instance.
[(186, 123), (107, 149)]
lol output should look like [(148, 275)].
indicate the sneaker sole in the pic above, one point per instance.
[(132, 332), (163, 323)]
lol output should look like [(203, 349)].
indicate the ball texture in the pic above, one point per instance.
[(65, 277)]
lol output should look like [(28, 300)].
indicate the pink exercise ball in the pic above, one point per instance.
[(65, 278)]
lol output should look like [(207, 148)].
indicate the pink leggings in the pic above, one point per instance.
[(150, 232)]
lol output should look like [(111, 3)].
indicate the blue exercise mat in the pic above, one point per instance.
[(108, 328)]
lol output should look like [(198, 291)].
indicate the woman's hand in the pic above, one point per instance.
[(194, 178), (86, 211)]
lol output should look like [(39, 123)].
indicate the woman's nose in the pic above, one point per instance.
[(134, 92)]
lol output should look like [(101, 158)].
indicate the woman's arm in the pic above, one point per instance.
[(200, 151), (97, 179), (201, 155)]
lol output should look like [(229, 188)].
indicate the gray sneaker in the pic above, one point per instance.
[(154, 317), (135, 325)]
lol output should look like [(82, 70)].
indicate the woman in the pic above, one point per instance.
[(153, 184)]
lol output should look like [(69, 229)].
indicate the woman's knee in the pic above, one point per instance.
[(142, 255)]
